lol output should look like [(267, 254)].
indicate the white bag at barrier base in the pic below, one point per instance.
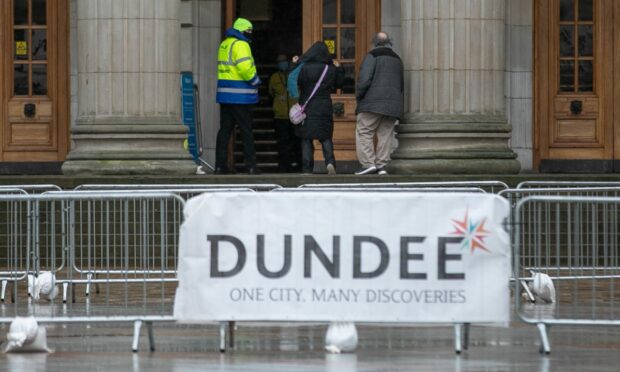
[(542, 288), (341, 337), (45, 285), (25, 335)]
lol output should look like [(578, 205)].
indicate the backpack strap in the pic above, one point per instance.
[(316, 87)]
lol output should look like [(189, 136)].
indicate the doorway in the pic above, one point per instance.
[(277, 30), (577, 70), (34, 96), (291, 27)]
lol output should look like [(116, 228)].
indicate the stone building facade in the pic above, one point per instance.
[(473, 93)]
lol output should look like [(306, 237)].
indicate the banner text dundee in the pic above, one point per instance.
[(376, 257)]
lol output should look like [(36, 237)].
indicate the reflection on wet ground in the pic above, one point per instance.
[(299, 347)]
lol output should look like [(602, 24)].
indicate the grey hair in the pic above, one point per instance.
[(381, 39)]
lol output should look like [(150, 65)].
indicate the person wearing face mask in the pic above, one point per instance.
[(237, 91), (289, 146)]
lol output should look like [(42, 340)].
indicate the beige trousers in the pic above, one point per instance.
[(369, 124)]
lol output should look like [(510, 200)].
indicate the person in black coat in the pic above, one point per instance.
[(319, 123)]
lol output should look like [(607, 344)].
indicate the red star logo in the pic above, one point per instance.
[(473, 233)]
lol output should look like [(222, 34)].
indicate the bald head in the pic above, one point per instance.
[(381, 39)]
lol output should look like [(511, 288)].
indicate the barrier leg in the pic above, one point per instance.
[(136, 335), (222, 337), (30, 287), (457, 337), (4, 283), (149, 327), (466, 328), (231, 335), (65, 287), (545, 348), (89, 276), (73, 293)]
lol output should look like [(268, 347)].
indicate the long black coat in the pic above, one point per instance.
[(319, 123)]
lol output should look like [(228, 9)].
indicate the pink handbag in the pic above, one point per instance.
[(297, 113)]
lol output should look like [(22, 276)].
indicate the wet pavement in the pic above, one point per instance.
[(299, 347)]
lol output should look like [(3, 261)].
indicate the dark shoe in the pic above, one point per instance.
[(220, 171), (254, 171), (370, 170)]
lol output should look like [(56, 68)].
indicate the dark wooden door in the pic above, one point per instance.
[(34, 69), (574, 80)]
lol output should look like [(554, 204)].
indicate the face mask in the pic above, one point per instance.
[(283, 66), (248, 36)]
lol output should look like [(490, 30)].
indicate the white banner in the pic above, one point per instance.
[(357, 256)]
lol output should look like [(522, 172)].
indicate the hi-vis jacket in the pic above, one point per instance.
[(237, 81)]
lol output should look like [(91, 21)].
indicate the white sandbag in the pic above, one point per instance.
[(45, 286), (25, 335), (542, 288), (341, 337)]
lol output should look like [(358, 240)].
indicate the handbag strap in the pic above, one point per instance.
[(316, 87)]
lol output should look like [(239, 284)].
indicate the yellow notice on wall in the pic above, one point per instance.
[(331, 46), (21, 48)]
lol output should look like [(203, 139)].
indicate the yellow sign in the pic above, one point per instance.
[(21, 48), (331, 46)]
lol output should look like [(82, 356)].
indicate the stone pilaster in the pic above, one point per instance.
[(455, 118), (128, 119)]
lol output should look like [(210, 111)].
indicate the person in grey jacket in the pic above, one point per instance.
[(379, 93)]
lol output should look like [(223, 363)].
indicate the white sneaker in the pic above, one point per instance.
[(382, 171), (331, 169), (370, 170), (200, 171)]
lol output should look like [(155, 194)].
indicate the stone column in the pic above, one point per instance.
[(455, 119), (128, 119)]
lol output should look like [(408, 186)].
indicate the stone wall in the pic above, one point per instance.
[(434, 26), (390, 22), (519, 71), (128, 96)]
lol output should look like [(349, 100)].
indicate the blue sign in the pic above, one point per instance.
[(188, 112)]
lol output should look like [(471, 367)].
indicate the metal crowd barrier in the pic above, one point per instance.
[(131, 237), (488, 186), (515, 195), (574, 240), (95, 272), (384, 189), (529, 254), (570, 184), (17, 233), (33, 189), (166, 187)]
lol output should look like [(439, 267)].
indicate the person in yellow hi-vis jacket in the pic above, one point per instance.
[(237, 91)]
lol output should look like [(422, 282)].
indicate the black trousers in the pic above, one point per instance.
[(307, 154), (230, 115), (289, 146)]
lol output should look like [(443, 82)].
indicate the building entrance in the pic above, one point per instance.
[(291, 27), (34, 89)]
